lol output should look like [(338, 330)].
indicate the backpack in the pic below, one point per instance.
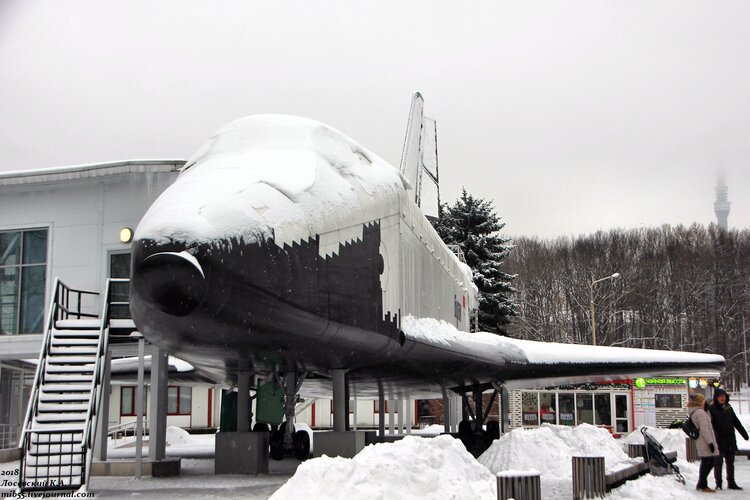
[(689, 428)]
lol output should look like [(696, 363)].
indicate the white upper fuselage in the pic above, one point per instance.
[(273, 176)]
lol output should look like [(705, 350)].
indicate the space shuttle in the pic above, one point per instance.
[(284, 246)]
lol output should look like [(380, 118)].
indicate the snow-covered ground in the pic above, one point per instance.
[(416, 467)]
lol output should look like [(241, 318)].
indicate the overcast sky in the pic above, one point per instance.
[(572, 115)]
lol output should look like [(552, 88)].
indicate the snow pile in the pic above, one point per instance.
[(430, 430), (550, 449), (670, 439), (414, 467), (175, 435), (498, 348)]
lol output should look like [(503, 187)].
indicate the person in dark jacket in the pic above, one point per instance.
[(724, 423)]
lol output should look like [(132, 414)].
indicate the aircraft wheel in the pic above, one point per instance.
[(301, 445), (277, 445)]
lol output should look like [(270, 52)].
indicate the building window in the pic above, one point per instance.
[(127, 400), (567, 413), (376, 406), (530, 408), (668, 400), (584, 409), (603, 408), (548, 408), (23, 272), (179, 400)]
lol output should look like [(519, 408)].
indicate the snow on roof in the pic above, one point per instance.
[(273, 174), (74, 172), (441, 333)]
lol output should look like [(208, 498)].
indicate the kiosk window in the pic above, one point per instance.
[(668, 400)]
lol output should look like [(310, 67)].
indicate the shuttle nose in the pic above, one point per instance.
[(173, 282)]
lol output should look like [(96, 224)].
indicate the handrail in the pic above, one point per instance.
[(124, 427), (89, 434), (101, 351), (33, 400)]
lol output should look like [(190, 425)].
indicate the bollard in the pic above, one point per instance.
[(691, 452), (519, 485), (637, 451), (588, 477)]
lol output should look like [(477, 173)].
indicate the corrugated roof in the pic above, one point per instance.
[(75, 172)]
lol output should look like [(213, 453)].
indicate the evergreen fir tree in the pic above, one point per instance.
[(473, 224)]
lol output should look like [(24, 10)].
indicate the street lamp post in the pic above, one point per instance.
[(591, 303)]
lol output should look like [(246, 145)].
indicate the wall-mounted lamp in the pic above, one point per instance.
[(126, 235)]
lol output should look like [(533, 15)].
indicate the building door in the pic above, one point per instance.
[(622, 415), (119, 267)]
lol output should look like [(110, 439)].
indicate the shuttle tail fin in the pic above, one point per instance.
[(419, 160)]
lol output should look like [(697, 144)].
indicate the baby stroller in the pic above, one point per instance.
[(658, 462)]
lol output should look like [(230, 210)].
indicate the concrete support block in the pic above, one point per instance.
[(241, 453), (340, 444), (167, 467)]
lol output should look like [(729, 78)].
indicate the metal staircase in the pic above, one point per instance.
[(58, 433)]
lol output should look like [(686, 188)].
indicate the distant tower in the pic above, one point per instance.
[(721, 205)]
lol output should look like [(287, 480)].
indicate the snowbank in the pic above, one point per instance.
[(550, 449), (430, 430), (414, 467), (670, 439), (176, 436)]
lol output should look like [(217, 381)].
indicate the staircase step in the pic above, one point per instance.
[(73, 350), (48, 388), (70, 342), (76, 334), (67, 378), (62, 407), (61, 428), (66, 438), (61, 418), (55, 397), (44, 461), (79, 324), (62, 359), (53, 368)]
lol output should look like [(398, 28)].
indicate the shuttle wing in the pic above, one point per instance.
[(484, 357)]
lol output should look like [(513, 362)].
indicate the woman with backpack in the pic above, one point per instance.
[(706, 442)]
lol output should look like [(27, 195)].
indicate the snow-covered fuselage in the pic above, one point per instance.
[(285, 245)]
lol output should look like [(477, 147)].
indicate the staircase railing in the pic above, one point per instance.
[(95, 395), (60, 308), (121, 430)]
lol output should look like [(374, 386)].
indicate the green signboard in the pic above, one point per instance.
[(641, 383)]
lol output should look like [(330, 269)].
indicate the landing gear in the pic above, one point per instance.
[(285, 441), (471, 431), (301, 445), (276, 441)]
